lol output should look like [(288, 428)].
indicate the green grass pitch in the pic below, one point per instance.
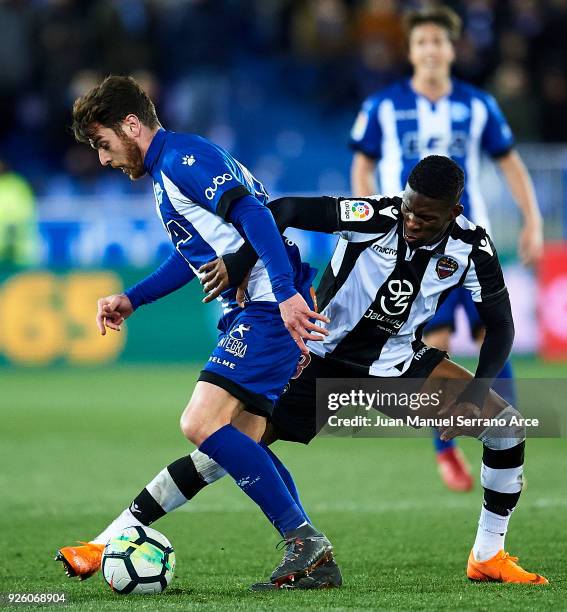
[(77, 445)]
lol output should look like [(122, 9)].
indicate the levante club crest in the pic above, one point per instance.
[(446, 267)]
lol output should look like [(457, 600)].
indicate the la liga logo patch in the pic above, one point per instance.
[(446, 266), (356, 210)]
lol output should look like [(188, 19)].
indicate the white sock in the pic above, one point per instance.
[(490, 535), (126, 519), (209, 470)]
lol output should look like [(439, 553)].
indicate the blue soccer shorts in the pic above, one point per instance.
[(254, 358), (255, 355), (445, 317)]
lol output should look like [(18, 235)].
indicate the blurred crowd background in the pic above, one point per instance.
[(276, 82), (262, 77)]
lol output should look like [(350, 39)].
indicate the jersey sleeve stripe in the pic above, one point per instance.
[(228, 198)]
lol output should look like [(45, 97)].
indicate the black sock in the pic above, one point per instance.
[(172, 487)]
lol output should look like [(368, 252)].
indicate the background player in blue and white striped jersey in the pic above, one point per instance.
[(433, 113), (208, 202)]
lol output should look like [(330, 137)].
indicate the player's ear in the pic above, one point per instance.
[(456, 211), (131, 125)]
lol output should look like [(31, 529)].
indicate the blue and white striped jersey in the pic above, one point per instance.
[(398, 127), (195, 182)]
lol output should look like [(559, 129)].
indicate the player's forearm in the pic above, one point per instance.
[(173, 274), (363, 176), (310, 214), (258, 226), (520, 184), (495, 348)]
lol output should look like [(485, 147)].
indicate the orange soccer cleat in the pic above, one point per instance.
[(454, 470), (501, 568), (81, 561)]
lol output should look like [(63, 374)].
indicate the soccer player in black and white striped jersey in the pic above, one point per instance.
[(397, 259)]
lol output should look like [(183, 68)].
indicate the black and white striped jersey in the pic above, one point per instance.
[(379, 294)]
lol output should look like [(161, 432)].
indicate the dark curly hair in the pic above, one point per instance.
[(108, 104), (438, 177)]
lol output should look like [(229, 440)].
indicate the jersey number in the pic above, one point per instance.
[(179, 235)]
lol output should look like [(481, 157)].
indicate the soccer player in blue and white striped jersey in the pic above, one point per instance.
[(209, 203), (433, 113)]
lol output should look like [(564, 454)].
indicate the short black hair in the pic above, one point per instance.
[(438, 177)]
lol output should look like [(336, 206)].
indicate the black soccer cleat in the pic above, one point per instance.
[(305, 549), (325, 576)]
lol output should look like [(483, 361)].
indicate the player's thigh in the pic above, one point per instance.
[(295, 416), (209, 409)]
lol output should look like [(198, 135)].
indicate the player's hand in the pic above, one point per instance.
[(214, 278), (530, 244), (467, 410), (112, 312), (296, 314)]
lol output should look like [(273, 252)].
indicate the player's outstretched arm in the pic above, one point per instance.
[(320, 214)]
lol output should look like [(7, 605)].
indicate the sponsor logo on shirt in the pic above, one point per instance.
[(389, 211), (421, 353), (372, 315), (356, 210), (384, 250), (397, 302), (188, 160), (415, 146), (446, 267), (217, 182), (406, 115), (485, 246)]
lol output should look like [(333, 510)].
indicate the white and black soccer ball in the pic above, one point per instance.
[(138, 560)]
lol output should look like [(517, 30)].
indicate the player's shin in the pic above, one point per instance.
[(287, 478), (501, 478), (254, 472), (171, 488)]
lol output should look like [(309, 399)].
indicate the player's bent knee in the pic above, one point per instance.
[(197, 424), (193, 428), (507, 433)]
